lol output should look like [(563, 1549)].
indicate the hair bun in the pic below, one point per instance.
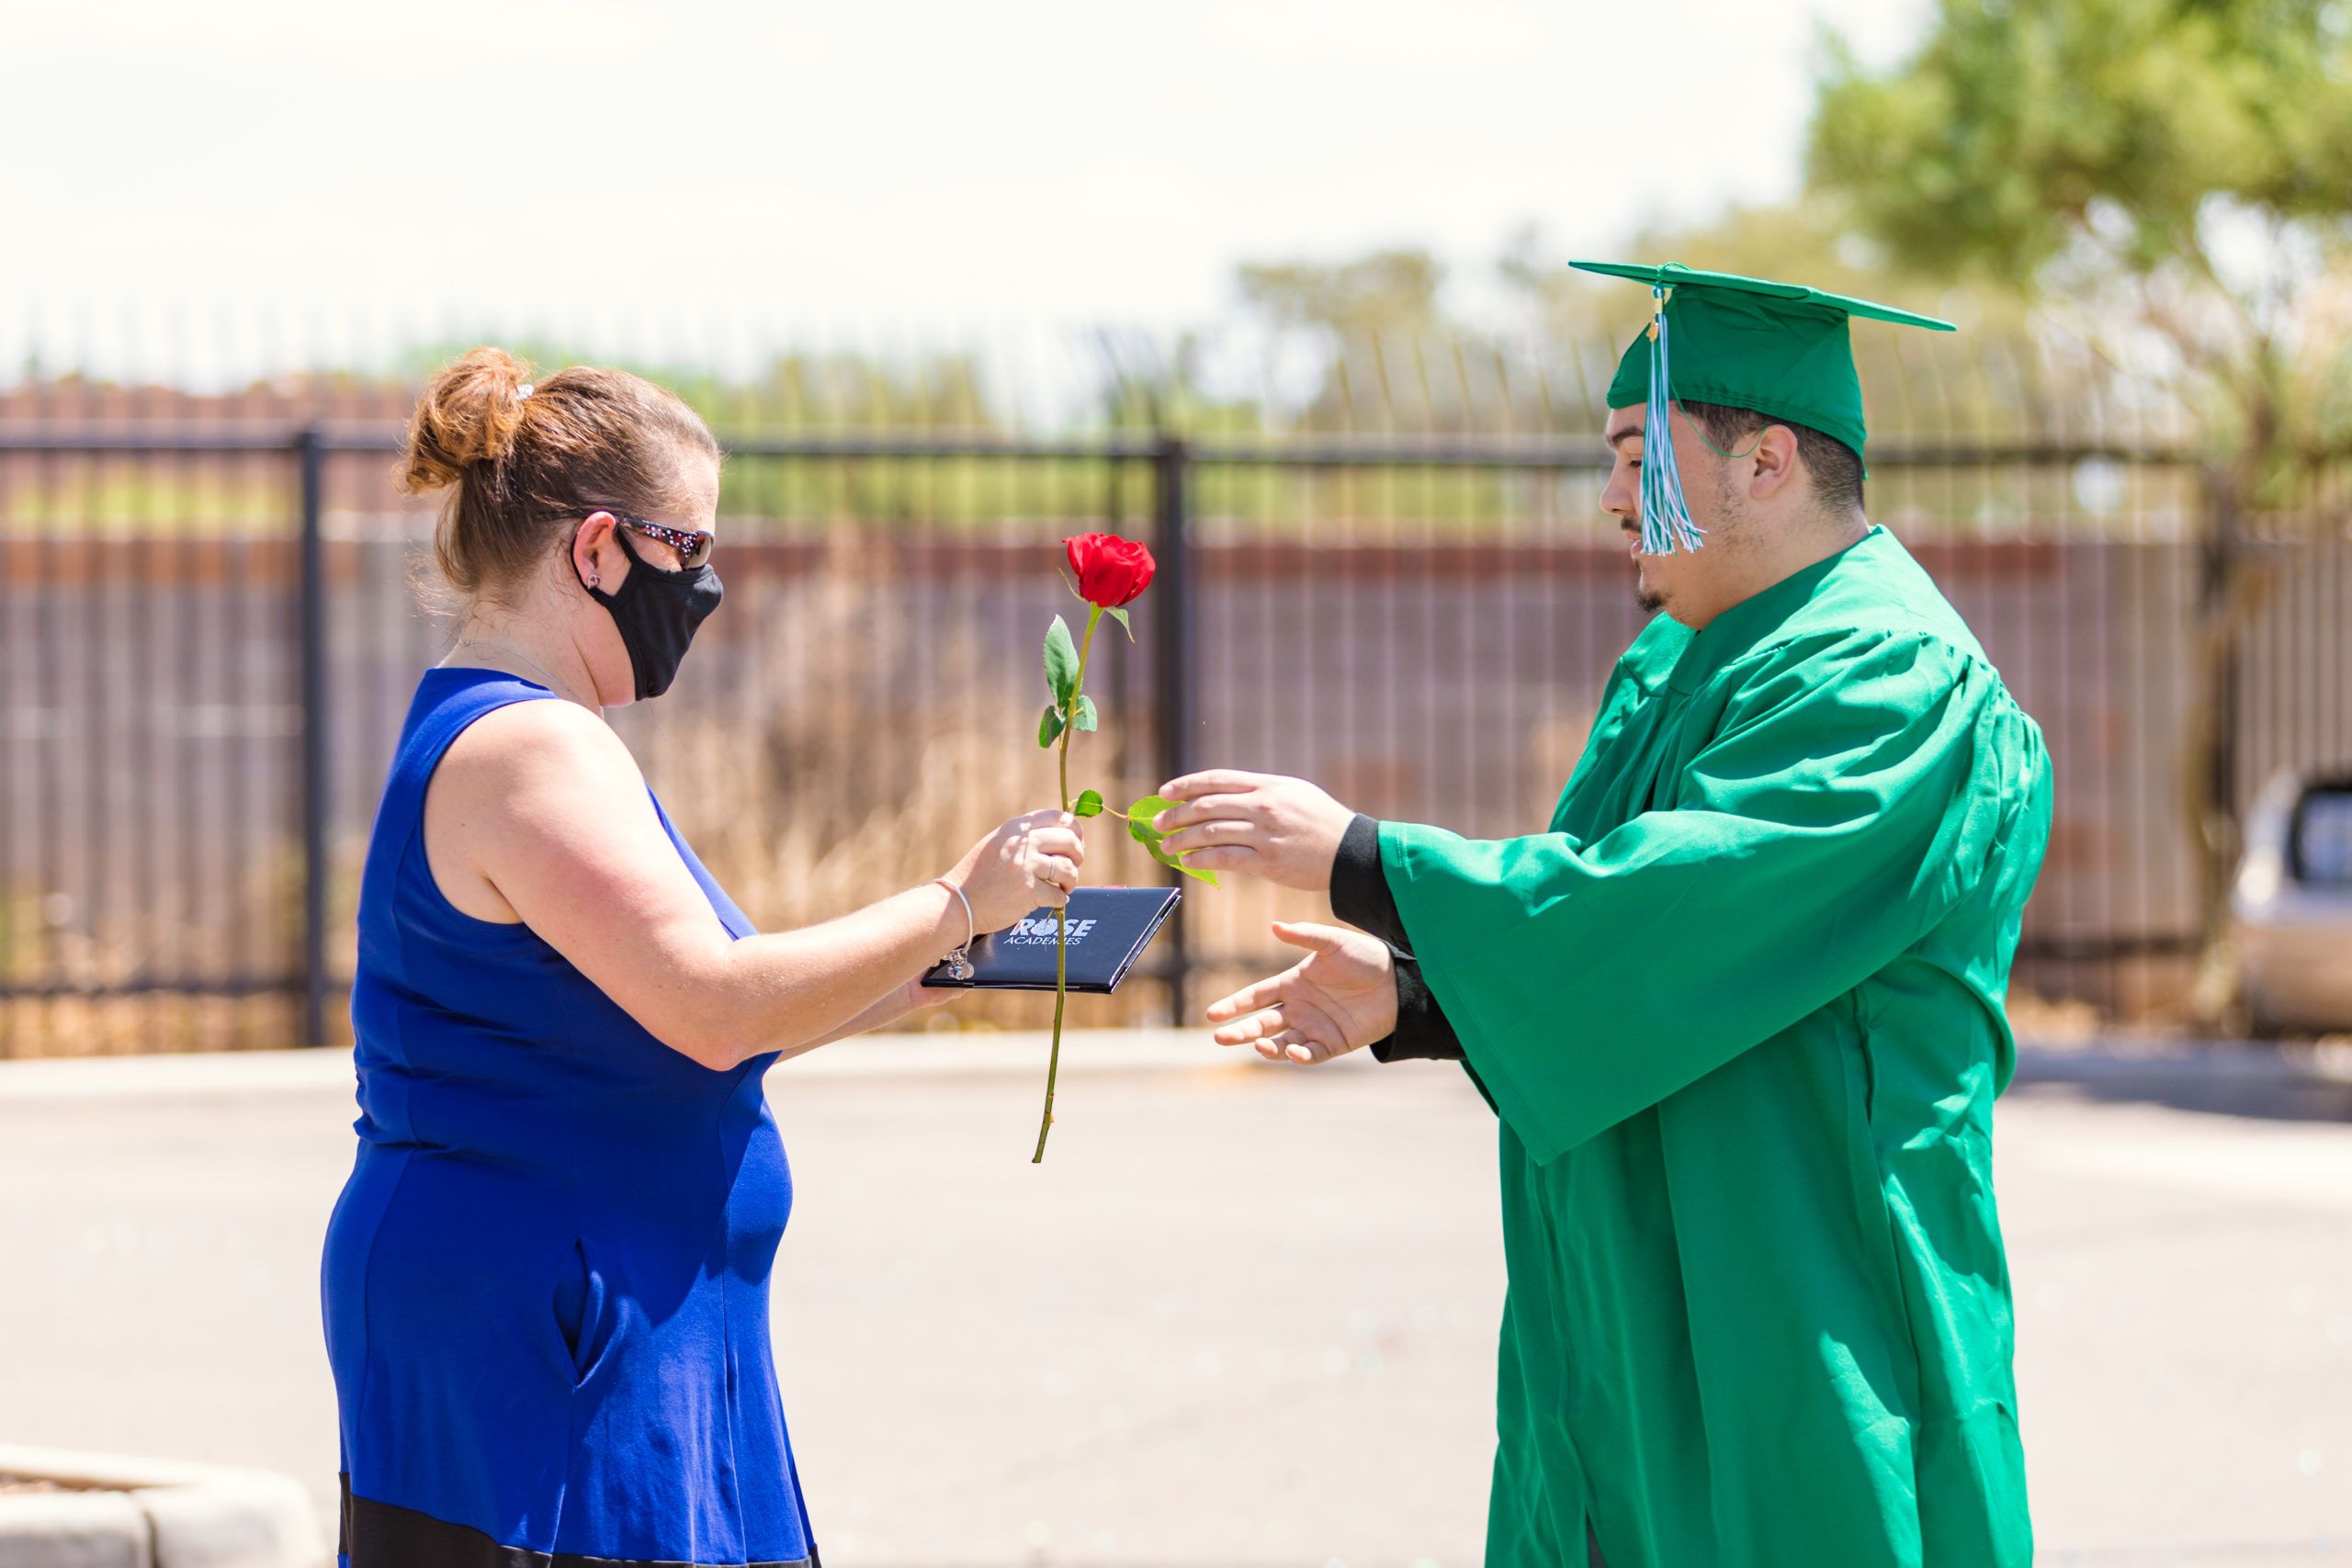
[(468, 414)]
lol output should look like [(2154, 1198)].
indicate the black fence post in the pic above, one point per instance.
[(2217, 648), (309, 454), (1175, 642)]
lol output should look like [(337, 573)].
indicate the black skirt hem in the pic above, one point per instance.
[(384, 1535)]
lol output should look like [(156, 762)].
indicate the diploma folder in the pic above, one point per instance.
[(1109, 928)]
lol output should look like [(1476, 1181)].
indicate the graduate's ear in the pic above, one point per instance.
[(1774, 454)]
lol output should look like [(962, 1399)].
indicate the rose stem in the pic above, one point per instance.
[(1061, 916)]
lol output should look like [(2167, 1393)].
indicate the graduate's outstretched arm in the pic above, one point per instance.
[(1848, 801), (1341, 998), (1284, 830)]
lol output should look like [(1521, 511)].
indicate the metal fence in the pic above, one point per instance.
[(208, 633)]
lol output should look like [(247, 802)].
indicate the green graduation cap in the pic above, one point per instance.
[(1714, 337)]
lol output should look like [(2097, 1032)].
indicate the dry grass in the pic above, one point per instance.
[(834, 793), (152, 1023), (240, 929)]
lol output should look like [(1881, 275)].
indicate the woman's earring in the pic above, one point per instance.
[(592, 583)]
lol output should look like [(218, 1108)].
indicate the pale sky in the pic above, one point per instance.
[(850, 171)]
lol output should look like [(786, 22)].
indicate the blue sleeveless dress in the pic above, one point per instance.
[(546, 1283)]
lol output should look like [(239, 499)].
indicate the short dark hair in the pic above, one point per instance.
[(1836, 467)]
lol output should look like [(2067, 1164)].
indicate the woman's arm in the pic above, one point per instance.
[(538, 810), (912, 998)]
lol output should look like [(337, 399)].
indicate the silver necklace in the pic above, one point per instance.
[(518, 655)]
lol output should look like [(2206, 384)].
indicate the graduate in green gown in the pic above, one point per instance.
[(1739, 1008)]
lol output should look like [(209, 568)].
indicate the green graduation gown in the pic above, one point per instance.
[(1740, 1012)]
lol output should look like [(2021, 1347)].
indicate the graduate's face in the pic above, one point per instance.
[(1677, 582)]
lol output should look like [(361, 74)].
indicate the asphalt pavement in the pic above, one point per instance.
[(1242, 1316)]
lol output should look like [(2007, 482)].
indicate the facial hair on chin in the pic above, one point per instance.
[(1651, 600)]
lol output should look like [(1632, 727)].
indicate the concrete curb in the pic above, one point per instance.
[(176, 1077), (1085, 1052), (74, 1529), (2202, 1061), (121, 1512)]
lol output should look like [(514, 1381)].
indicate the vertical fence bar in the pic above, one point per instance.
[(310, 455), (2219, 564), (1175, 644)]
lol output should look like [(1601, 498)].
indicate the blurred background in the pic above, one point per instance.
[(1281, 288)]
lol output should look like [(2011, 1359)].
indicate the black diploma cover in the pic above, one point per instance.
[(1109, 928)]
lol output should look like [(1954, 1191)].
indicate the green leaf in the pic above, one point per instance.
[(1121, 616), (1086, 715), (1090, 804), (1140, 829), (1061, 663), (1172, 864), (1049, 727)]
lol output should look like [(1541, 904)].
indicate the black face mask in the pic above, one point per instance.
[(657, 613)]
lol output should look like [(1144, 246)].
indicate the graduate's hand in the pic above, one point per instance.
[(1284, 830), (1341, 999)]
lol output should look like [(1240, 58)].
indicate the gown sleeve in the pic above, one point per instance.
[(1827, 824)]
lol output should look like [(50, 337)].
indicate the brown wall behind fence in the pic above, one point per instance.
[(866, 702)]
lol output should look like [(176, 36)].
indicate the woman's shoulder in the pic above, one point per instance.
[(528, 778), (546, 739)]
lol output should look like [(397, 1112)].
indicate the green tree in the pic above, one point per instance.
[(1392, 353), (1387, 291), (1929, 392), (2183, 168)]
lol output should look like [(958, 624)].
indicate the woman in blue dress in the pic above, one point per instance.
[(546, 1283)]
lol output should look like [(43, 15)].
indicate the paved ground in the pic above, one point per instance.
[(1241, 1317)]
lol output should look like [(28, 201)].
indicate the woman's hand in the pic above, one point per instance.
[(1031, 861)]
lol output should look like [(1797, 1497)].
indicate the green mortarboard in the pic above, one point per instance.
[(1779, 348)]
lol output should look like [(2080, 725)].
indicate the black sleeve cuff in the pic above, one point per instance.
[(1422, 1032), (1360, 892), (1359, 896)]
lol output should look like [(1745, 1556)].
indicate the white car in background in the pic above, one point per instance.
[(2290, 907)]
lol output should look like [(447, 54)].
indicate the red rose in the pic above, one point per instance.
[(1111, 571)]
